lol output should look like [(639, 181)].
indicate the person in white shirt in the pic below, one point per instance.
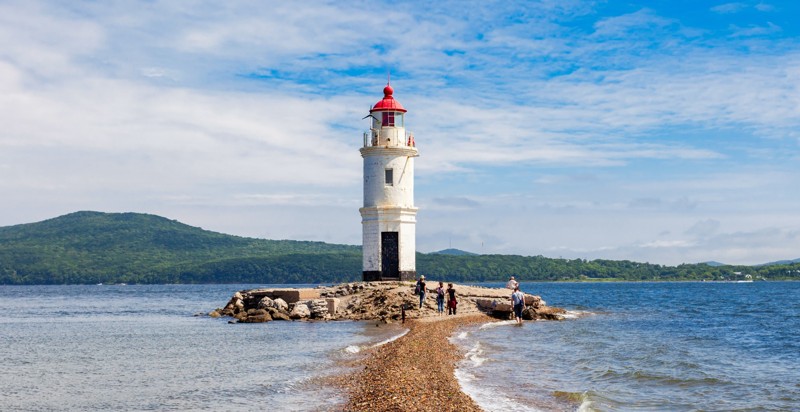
[(512, 284)]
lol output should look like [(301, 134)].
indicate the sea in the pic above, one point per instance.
[(687, 346)]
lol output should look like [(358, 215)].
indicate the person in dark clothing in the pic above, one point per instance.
[(452, 303), (422, 290), (518, 303), (440, 299)]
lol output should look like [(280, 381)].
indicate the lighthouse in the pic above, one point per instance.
[(388, 218)]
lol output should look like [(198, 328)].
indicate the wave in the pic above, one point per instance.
[(463, 335), (356, 348), (586, 404), (475, 355), (576, 314), (488, 398), (663, 379), (575, 398), (491, 325), (393, 338)]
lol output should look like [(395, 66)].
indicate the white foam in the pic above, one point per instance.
[(488, 398), (462, 335), (496, 324), (463, 376), (575, 314), (474, 355), (586, 405), (393, 338), (357, 349)]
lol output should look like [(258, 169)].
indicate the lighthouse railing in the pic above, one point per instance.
[(374, 137)]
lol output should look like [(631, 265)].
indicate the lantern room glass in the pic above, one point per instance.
[(391, 119)]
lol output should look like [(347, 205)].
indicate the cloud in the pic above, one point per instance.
[(557, 126), (729, 8), (752, 31), (680, 204), (764, 7), (452, 203), (704, 228), (621, 26)]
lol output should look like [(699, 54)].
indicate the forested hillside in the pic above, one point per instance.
[(94, 247)]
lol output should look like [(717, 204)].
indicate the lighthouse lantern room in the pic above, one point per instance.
[(388, 217)]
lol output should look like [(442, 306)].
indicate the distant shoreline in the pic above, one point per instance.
[(467, 282)]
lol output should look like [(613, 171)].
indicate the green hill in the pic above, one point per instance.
[(94, 247)]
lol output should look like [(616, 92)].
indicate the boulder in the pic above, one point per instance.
[(214, 314), (487, 305), (277, 314), (265, 303), (333, 306), (257, 316), (318, 308), (529, 313), (503, 307), (300, 311), (550, 313), (532, 300), (280, 304), (257, 319), (295, 295)]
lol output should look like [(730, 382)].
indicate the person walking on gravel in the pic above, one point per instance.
[(440, 298), (452, 303), (422, 290)]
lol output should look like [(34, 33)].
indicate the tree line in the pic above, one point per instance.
[(94, 247)]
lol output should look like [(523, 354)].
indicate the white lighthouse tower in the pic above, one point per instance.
[(389, 217)]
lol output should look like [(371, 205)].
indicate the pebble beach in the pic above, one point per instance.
[(414, 372)]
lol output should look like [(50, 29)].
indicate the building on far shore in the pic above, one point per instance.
[(388, 218)]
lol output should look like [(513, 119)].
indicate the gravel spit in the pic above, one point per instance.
[(414, 372)]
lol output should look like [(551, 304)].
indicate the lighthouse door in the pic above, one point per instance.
[(390, 256)]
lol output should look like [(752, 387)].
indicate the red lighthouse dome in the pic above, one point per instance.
[(388, 103)]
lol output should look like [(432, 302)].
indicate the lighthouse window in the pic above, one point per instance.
[(389, 177), (388, 119)]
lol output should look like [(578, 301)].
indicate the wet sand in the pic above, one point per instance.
[(414, 372)]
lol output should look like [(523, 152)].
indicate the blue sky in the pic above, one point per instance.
[(661, 131)]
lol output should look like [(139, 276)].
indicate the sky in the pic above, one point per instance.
[(664, 131)]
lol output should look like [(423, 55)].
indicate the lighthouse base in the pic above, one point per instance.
[(376, 275)]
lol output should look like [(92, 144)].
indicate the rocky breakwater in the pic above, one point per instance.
[(383, 301)]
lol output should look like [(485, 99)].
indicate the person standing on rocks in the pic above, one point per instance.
[(451, 301), (422, 290), (512, 283), (518, 302), (440, 298)]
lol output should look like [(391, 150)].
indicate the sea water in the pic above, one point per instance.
[(116, 347), (642, 347), (624, 347)]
